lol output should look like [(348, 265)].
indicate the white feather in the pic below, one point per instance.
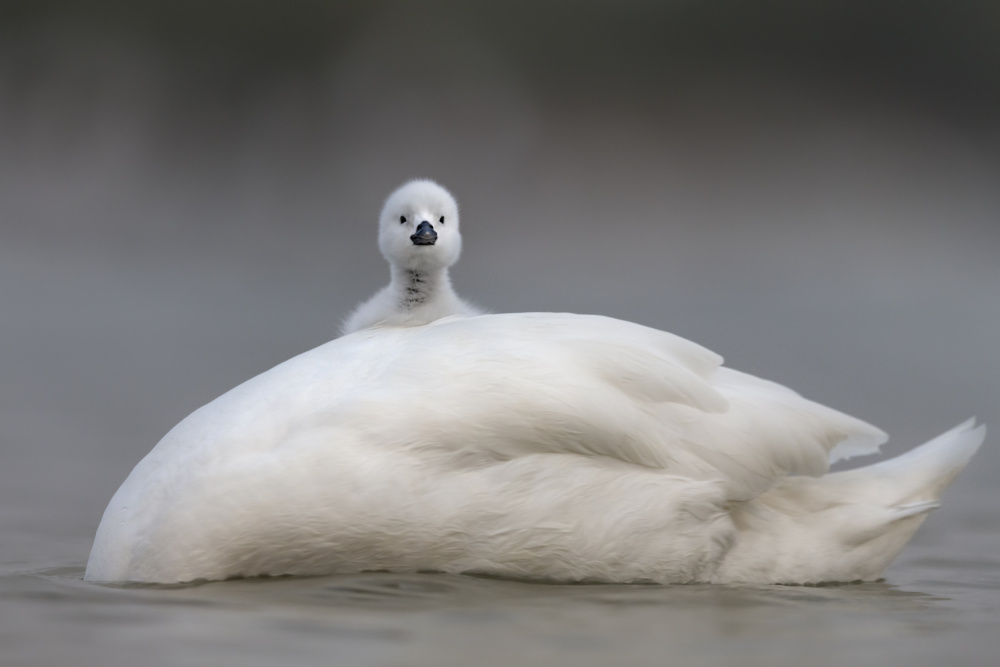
[(532, 445)]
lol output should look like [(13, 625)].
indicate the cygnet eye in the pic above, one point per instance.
[(441, 220), (402, 219)]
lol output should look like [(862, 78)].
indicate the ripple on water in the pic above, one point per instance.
[(379, 589), (440, 615), (384, 590)]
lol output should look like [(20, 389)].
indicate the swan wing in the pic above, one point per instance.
[(496, 387), (474, 391), (378, 418)]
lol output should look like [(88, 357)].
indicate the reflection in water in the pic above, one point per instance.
[(375, 616), (417, 592)]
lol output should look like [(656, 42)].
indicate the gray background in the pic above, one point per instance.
[(189, 192)]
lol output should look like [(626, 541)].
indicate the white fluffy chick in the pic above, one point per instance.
[(419, 237)]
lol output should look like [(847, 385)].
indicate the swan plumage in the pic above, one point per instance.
[(533, 445)]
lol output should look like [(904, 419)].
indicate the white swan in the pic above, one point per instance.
[(418, 234), (552, 446)]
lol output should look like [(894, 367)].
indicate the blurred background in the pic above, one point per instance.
[(189, 193)]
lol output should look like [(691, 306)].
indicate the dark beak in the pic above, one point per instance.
[(425, 234)]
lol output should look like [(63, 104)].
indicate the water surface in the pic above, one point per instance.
[(940, 609)]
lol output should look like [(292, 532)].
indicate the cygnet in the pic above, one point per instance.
[(418, 235)]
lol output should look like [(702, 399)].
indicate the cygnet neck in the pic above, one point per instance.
[(414, 288)]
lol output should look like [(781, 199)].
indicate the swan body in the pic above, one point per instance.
[(535, 445), (419, 237)]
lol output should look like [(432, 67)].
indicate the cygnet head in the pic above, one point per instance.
[(418, 229)]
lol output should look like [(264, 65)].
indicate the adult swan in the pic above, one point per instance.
[(532, 445)]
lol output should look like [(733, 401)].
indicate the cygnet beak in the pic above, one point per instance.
[(425, 234)]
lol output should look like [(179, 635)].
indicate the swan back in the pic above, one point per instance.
[(407, 441)]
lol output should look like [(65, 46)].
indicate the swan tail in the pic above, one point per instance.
[(849, 525), (923, 473)]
